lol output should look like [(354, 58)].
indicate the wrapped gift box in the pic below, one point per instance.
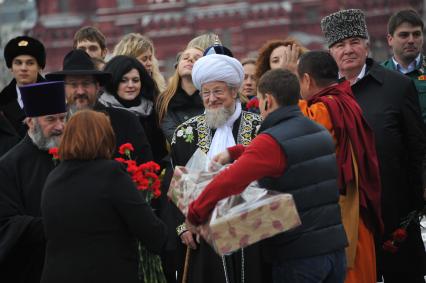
[(186, 185), (236, 223)]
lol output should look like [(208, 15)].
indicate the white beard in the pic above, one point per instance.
[(215, 118)]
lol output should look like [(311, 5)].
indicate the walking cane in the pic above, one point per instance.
[(186, 266)]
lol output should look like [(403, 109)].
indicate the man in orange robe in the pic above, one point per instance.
[(332, 104)]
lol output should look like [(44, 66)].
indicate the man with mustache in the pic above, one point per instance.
[(23, 171), (82, 87), (390, 105), (218, 77), (25, 57)]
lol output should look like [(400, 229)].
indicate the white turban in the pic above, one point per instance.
[(217, 67)]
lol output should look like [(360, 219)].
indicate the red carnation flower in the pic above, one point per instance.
[(121, 160), (125, 149), (253, 103), (54, 152), (399, 235), (390, 246)]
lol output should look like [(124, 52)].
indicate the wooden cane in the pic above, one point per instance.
[(186, 266)]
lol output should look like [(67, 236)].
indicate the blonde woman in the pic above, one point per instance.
[(204, 41), (142, 48), (181, 100)]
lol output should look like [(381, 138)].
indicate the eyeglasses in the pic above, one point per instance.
[(215, 92), (75, 85)]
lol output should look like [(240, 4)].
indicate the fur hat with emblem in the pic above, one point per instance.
[(25, 45), (344, 24)]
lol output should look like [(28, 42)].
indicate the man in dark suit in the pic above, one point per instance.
[(25, 57), (82, 87), (391, 106), (23, 171)]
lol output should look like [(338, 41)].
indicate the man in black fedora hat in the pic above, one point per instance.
[(23, 171), (25, 57), (83, 84)]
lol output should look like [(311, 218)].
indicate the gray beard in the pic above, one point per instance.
[(216, 118), (42, 142), (72, 109)]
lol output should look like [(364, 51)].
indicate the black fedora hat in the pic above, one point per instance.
[(78, 63)]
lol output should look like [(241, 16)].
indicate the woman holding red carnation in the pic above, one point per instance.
[(93, 213)]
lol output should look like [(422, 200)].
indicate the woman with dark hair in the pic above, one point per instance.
[(93, 214), (133, 89)]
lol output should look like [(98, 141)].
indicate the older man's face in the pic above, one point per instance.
[(46, 131), (81, 91), (219, 102), (217, 94), (350, 54)]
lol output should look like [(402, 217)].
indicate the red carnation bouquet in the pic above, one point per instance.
[(144, 175), (148, 181), (400, 234)]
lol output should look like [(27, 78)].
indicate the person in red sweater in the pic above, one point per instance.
[(292, 154)]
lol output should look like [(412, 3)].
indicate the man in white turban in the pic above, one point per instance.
[(218, 77)]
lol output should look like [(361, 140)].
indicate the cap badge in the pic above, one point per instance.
[(23, 43)]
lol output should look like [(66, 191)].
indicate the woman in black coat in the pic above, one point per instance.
[(133, 89), (93, 213)]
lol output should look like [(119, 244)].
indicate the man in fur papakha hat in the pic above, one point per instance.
[(25, 57), (390, 104)]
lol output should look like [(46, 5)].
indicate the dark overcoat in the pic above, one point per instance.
[(93, 215), (390, 104), (23, 171), (128, 129), (8, 135), (10, 107), (182, 106)]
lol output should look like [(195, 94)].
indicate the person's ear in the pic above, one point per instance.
[(307, 80), (104, 53), (234, 93), (29, 121), (269, 101), (389, 38)]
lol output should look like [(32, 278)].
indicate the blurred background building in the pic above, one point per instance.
[(242, 26)]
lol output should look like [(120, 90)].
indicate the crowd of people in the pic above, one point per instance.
[(342, 133)]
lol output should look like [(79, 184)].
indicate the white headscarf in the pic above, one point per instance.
[(217, 67)]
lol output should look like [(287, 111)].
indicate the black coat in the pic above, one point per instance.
[(390, 104), (181, 107), (127, 129), (8, 135), (11, 109), (93, 215), (155, 136), (23, 171)]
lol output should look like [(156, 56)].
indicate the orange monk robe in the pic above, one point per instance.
[(360, 254)]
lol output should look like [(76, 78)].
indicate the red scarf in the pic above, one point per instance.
[(351, 128)]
